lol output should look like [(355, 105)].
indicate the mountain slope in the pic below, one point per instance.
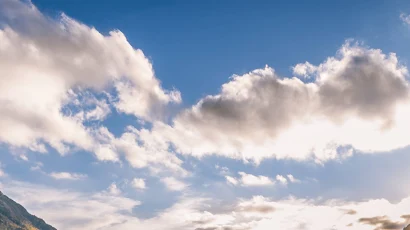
[(13, 216)]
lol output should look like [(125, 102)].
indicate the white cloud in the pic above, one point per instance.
[(292, 179), (53, 73), (138, 183), (182, 215), (37, 167), (74, 210), (141, 148), (23, 157), (231, 180), (359, 100), (304, 69), (105, 152), (251, 180), (222, 169), (71, 210), (99, 112), (146, 105), (405, 18), (281, 179), (113, 189), (67, 176), (248, 180), (173, 184), (47, 63), (261, 213)]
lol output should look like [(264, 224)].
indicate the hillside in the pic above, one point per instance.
[(13, 216)]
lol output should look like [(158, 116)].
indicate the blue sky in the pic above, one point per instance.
[(231, 114)]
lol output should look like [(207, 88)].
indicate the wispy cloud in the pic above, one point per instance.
[(67, 176), (405, 18)]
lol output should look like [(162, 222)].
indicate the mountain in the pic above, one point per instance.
[(13, 216)]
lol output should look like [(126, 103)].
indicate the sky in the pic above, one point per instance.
[(206, 115)]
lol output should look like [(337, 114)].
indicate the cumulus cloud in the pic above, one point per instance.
[(281, 179), (173, 184), (359, 100), (138, 183), (43, 60), (257, 204), (113, 189), (249, 180), (141, 148), (67, 176), (252, 180), (90, 108), (100, 111), (292, 179), (231, 180), (246, 179), (58, 75), (304, 69)]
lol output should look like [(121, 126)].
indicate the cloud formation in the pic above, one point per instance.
[(103, 210), (47, 63), (173, 184), (141, 148), (67, 209), (138, 183), (358, 100), (60, 78), (67, 176), (252, 180), (113, 189), (281, 179), (249, 180)]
